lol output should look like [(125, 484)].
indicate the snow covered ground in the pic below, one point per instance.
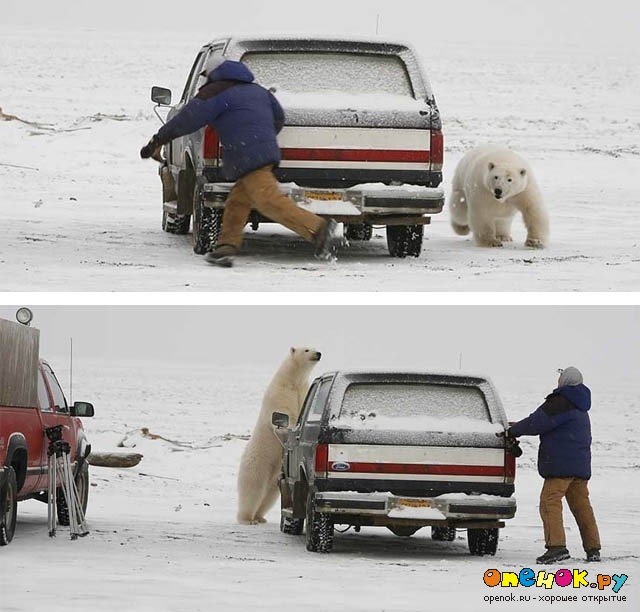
[(82, 212), (163, 535)]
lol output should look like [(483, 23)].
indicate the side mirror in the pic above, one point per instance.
[(82, 409), (280, 420), (161, 96)]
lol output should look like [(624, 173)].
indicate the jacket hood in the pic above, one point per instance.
[(231, 71), (578, 395)]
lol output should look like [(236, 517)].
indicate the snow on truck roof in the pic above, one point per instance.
[(341, 41), (411, 375)]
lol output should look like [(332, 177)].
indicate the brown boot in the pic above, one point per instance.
[(222, 256), (325, 241)]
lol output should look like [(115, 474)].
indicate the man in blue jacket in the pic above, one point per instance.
[(247, 118), (564, 461)]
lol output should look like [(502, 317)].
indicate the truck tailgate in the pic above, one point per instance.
[(373, 462), (356, 147)]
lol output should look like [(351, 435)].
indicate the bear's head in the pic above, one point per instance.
[(304, 355), (505, 180)]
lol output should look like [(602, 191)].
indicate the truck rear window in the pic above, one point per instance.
[(415, 406), (347, 73)]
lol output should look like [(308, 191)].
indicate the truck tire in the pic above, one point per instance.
[(82, 483), (402, 531), (175, 224), (207, 223), (291, 526), (319, 531), (8, 508), (405, 240), (362, 232), (483, 541), (443, 534)]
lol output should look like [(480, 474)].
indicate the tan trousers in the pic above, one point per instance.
[(260, 189), (577, 494)]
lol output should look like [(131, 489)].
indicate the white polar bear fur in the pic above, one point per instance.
[(474, 205), (261, 462)]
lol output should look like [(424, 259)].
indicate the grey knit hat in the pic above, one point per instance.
[(570, 377)]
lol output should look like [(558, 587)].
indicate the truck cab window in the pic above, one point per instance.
[(307, 402), (320, 400), (192, 77), (59, 401), (43, 395), (213, 60)]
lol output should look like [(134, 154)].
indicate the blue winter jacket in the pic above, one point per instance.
[(563, 425), (245, 115)]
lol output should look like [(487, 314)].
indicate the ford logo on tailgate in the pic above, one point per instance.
[(340, 466)]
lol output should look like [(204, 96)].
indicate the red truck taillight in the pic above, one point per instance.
[(509, 467), (211, 145), (322, 458), (437, 150)]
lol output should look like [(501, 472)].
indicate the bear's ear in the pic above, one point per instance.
[(491, 166), (523, 172), (293, 350)]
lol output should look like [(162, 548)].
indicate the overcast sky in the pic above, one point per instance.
[(497, 341), (586, 23)]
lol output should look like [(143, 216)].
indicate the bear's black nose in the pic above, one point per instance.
[(498, 193), (318, 356)]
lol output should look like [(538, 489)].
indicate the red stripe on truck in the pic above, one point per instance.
[(420, 468), (363, 155)]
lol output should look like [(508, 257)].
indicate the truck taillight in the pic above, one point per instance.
[(437, 150), (322, 458), (509, 467), (211, 145)]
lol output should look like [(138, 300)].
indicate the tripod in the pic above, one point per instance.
[(59, 467)]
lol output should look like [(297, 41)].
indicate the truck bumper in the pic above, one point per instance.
[(453, 509), (352, 205)]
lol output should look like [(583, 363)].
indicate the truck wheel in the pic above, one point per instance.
[(207, 223), (443, 534), (405, 240), (8, 508), (175, 224), (482, 541), (402, 531), (359, 232), (291, 526), (82, 483), (319, 531)]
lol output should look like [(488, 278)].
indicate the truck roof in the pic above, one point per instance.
[(313, 41), (408, 376)]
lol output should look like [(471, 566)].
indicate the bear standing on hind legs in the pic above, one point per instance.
[(261, 461), (492, 184)]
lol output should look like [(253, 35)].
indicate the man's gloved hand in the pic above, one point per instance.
[(511, 443), (152, 149)]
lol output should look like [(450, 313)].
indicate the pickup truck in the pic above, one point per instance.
[(362, 142), (398, 450), (31, 399)]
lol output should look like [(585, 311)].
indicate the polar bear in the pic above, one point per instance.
[(491, 184), (261, 461)]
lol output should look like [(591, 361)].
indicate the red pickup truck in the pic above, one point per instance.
[(31, 399)]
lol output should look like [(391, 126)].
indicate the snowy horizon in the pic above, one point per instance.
[(571, 23)]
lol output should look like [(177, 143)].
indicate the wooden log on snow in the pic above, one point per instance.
[(114, 460)]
